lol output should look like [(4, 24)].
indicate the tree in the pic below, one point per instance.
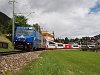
[(56, 40), (37, 27), (21, 21), (71, 40), (76, 39), (66, 40), (4, 19), (9, 27)]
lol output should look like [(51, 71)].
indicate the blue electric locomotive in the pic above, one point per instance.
[(28, 38)]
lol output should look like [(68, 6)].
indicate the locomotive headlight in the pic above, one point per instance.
[(28, 43)]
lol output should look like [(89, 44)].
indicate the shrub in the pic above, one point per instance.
[(84, 48)]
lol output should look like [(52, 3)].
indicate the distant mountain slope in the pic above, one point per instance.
[(4, 19)]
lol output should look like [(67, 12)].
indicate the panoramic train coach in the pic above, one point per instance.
[(50, 45), (59, 45), (28, 38), (67, 46)]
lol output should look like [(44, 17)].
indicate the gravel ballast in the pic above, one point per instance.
[(15, 61)]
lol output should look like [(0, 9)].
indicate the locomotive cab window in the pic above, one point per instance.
[(20, 31)]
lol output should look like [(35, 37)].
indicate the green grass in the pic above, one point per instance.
[(64, 63), (5, 50)]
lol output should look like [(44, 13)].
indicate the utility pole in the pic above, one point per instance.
[(38, 28), (13, 23)]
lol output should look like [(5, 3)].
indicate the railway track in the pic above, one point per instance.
[(15, 52), (23, 51), (12, 52)]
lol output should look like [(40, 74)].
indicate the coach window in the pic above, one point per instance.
[(60, 45), (51, 44)]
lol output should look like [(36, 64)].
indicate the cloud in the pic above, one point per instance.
[(96, 8), (5, 7), (60, 5), (67, 18)]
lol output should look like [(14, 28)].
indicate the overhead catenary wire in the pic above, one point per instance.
[(26, 9)]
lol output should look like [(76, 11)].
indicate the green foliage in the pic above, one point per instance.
[(76, 39), (4, 19), (21, 21), (84, 48), (5, 50), (6, 23), (56, 40), (37, 27), (59, 40), (71, 40), (0, 33), (64, 63), (66, 40), (9, 27)]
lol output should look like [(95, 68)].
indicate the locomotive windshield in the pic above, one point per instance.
[(20, 31)]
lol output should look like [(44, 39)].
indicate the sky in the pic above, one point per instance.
[(67, 18)]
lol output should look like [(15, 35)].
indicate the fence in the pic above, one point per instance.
[(3, 45)]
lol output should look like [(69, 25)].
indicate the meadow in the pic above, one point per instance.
[(63, 63)]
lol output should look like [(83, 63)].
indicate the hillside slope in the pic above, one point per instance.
[(4, 19), (6, 40)]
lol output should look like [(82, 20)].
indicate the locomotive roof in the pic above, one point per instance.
[(25, 27)]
